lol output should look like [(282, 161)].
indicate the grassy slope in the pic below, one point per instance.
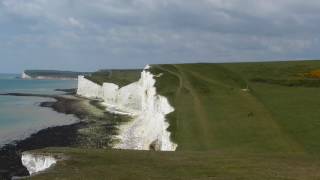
[(106, 164), (294, 109), (212, 112), (271, 131)]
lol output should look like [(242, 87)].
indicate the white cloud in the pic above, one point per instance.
[(74, 22)]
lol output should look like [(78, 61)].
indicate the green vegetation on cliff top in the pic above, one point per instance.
[(54, 73), (215, 111), (119, 77)]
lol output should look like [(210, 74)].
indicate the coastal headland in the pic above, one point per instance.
[(230, 121)]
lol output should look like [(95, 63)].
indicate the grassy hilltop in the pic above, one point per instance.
[(279, 112), (231, 121)]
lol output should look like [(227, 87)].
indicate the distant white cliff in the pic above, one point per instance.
[(25, 76), (37, 163), (148, 129), (51, 75)]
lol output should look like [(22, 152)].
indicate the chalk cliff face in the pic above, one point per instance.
[(25, 76), (88, 88), (148, 129), (37, 163)]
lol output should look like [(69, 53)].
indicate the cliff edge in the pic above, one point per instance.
[(148, 129)]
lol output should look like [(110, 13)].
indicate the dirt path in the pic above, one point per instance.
[(177, 94), (176, 75), (201, 116), (199, 109)]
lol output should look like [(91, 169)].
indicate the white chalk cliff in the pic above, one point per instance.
[(141, 101), (37, 163), (25, 76), (88, 88)]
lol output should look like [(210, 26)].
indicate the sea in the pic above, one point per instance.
[(21, 116)]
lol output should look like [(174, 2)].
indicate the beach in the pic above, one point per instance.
[(85, 133)]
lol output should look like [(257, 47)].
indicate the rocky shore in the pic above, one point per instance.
[(94, 129)]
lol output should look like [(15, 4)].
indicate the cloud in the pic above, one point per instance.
[(74, 23), (131, 33)]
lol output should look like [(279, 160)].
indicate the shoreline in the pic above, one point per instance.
[(58, 136), (10, 154)]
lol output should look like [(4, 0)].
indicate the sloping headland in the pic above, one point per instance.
[(51, 74), (230, 121)]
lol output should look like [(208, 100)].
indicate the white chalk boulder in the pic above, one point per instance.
[(36, 163)]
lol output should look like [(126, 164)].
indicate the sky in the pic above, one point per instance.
[(105, 34)]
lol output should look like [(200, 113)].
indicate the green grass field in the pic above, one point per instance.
[(231, 121), (214, 112), (116, 164)]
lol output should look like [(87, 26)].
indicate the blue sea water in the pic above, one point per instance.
[(22, 116)]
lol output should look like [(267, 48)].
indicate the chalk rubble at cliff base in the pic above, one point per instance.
[(36, 163), (148, 129)]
